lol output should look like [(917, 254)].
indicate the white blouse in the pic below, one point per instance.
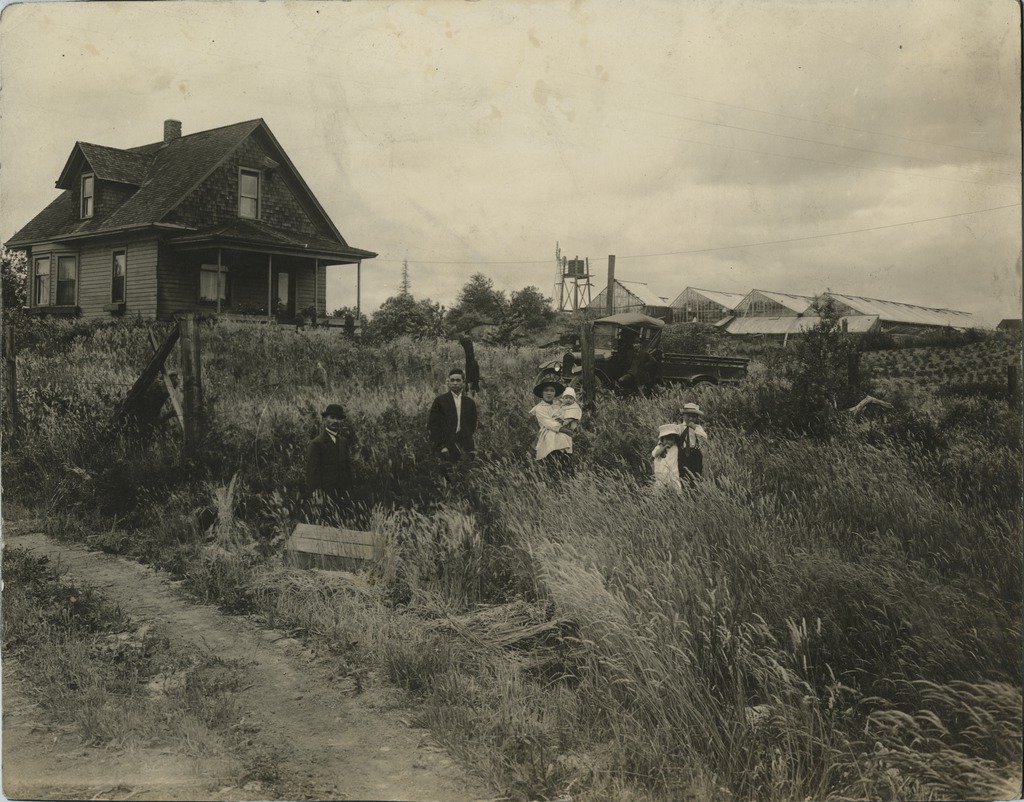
[(550, 439)]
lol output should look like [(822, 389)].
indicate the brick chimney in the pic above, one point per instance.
[(172, 130)]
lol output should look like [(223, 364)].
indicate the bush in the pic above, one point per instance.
[(691, 338)]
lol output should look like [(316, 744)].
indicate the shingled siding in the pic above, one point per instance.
[(215, 201), (110, 196)]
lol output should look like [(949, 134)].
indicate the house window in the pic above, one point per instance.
[(88, 194), (208, 291), (41, 282), (118, 269), (249, 194), (67, 280)]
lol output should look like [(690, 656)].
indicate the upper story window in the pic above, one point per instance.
[(41, 282), (249, 194), (67, 280), (88, 194), (118, 270)]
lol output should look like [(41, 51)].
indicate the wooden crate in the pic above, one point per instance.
[(331, 548)]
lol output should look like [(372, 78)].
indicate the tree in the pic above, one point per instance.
[(531, 308), (820, 371), (14, 276), (403, 315), (478, 302), (403, 288), (526, 312)]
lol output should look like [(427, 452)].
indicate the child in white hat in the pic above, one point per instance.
[(665, 459), (571, 413)]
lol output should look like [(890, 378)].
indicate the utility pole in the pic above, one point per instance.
[(556, 297), (587, 353), (609, 302)]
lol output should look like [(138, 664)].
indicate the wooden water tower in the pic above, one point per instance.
[(573, 287)]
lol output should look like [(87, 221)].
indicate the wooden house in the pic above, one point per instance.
[(218, 221)]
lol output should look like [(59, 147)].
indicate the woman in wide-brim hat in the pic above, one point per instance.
[(555, 385), (554, 443)]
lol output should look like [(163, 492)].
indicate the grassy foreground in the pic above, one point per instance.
[(823, 618)]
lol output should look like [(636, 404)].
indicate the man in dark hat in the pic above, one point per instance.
[(451, 422), (329, 458)]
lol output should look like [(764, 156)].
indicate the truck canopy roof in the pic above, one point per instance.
[(632, 319)]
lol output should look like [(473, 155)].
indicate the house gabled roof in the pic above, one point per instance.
[(109, 164), (165, 174), (895, 312)]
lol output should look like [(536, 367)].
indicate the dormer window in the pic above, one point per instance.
[(249, 194), (88, 194)]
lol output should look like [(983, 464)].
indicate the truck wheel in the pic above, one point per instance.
[(600, 383)]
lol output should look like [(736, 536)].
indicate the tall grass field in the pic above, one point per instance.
[(826, 617)]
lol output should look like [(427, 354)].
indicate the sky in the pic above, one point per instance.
[(867, 148)]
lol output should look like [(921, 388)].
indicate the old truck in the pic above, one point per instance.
[(628, 356)]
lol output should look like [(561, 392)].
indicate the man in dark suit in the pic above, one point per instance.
[(329, 458), (451, 422)]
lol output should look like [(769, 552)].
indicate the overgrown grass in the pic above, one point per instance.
[(826, 618), (117, 682)]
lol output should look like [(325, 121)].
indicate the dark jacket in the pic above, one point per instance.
[(329, 464), (441, 423)]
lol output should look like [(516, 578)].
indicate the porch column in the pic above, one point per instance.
[(218, 282), (359, 281), (270, 287)]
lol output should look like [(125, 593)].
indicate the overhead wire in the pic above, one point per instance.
[(812, 121), (715, 248)]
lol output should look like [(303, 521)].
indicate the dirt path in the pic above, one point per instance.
[(330, 742)]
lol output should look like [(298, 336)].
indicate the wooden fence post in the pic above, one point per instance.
[(1012, 387), (191, 381), (587, 355), (853, 368), (10, 380)]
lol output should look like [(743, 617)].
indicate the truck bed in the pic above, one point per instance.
[(669, 358), (691, 368)]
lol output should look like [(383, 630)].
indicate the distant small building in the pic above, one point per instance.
[(1009, 324), (636, 297), (694, 305), (780, 315), (762, 303), (900, 318)]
